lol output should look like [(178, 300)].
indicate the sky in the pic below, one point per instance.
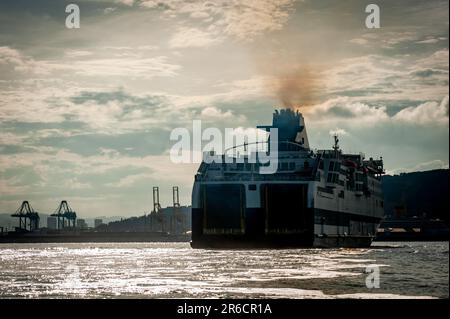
[(86, 114)]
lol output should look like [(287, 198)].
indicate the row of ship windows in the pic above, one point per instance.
[(283, 166), (334, 178), (332, 166), (336, 167), (341, 194)]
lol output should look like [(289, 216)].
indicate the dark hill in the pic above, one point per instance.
[(421, 194)]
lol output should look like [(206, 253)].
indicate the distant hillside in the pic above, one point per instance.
[(418, 193)]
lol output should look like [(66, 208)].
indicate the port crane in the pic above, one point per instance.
[(64, 211), (24, 212)]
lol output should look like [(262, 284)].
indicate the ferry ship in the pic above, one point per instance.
[(316, 198)]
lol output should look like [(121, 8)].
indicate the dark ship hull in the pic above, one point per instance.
[(284, 221), (278, 242)]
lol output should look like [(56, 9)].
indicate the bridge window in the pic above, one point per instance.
[(331, 166), (333, 178), (329, 177)]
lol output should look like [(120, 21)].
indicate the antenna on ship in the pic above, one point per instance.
[(336, 145), (336, 142)]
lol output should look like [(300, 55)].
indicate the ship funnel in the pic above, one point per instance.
[(291, 129)]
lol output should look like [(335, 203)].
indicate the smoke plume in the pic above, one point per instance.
[(298, 87)]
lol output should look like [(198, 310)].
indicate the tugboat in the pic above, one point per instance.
[(321, 198)]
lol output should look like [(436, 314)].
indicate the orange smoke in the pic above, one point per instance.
[(298, 87)]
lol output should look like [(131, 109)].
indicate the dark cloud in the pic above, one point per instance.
[(15, 149), (341, 112), (25, 127), (149, 142), (128, 102), (426, 73)]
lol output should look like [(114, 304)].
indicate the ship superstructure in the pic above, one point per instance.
[(322, 198)]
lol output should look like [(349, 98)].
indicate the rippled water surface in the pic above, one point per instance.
[(174, 270)]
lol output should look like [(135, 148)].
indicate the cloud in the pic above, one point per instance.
[(214, 113), (359, 41), (425, 166), (32, 105), (362, 73), (346, 110), (241, 20), (338, 131), (192, 37), (9, 55), (246, 20), (20, 62), (431, 40), (343, 109), (109, 10), (389, 78), (393, 38), (125, 2), (150, 4), (427, 41), (386, 40), (73, 183), (136, 66), (199, 15), (437, 60), (118, 111), (429, 113), (77, 53), (130, 180), (107, 171)]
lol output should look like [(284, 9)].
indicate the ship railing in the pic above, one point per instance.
[(235, 151), (256, 177)]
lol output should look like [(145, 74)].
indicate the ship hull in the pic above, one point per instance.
[(250, 242), (257, 238), (281, 242)]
